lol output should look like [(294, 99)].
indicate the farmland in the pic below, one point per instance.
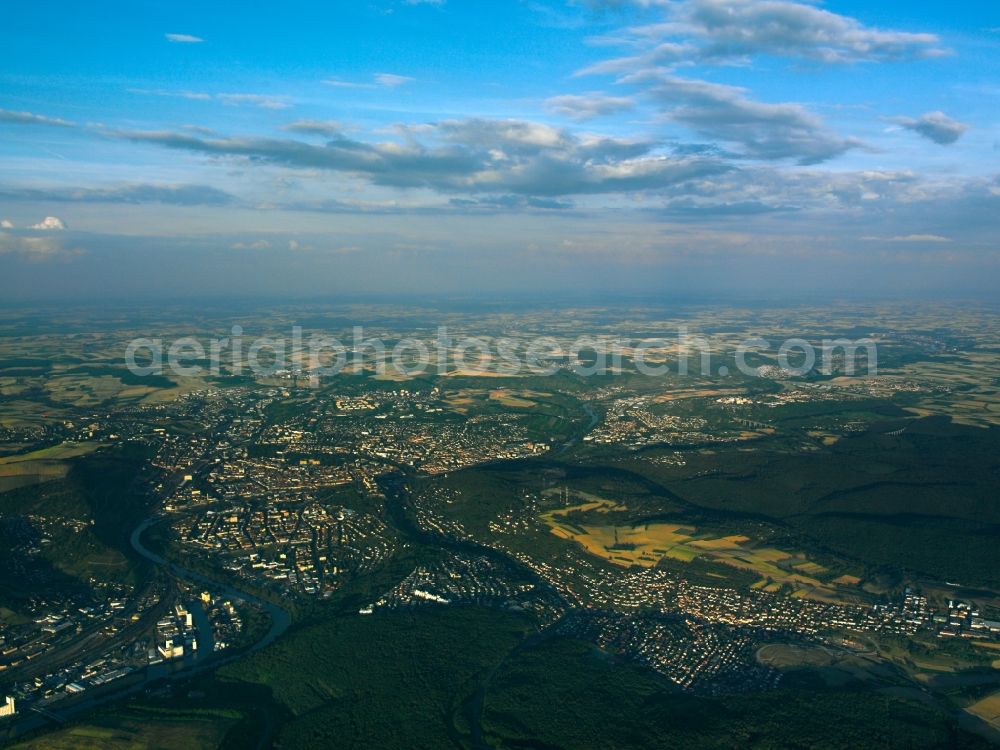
[(646, 544)]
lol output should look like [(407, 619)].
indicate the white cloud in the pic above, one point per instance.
[(384, 80), (936, 126), (717, 31), (193, 95), (470, 156), (391, 80), (762, 130), (919, 238), (256, 245), (337, 83), (314, 127), (177, 195), (34, 248), (728, 32), (183, 38), (53, 223), (6, 224), (29, 118), (264, 101), (588, 106)]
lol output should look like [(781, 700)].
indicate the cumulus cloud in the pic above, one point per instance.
[(779, 189), (718, 31), (470, 155), (29, 118), (50, 223), (35, 249), (936, 126), (6, 224), (183, 38), (588, 106), (725, 113)]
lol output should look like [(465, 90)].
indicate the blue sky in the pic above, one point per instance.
[(305, 148)]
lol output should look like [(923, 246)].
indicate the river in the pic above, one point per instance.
[(170, 671)]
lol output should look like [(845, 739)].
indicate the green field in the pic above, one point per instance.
[(141, 728)]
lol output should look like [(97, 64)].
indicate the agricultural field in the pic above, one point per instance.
[(987, 709), (837, 490), (513, 399), (646, 544), (42, 465), (142, 728), (964, 388), (786, 656)]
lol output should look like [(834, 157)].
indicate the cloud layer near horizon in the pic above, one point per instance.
[(665, 143)]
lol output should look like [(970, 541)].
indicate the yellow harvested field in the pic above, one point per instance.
[(825, 437), (682, 552), (600, 506), (59, 452), (393, 376), (625, 545), (593, 503), (726, 542), (47, 469), (698, 393), (471, 373), (509, 399), (646, 544), (770, 555), (48, 463), (987, 709), (846, 580)]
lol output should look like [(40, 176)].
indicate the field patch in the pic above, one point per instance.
[(846, 580), (785, 656), (512, 400), (987, 709), (141, 729), (645, 544), (42, 465)]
